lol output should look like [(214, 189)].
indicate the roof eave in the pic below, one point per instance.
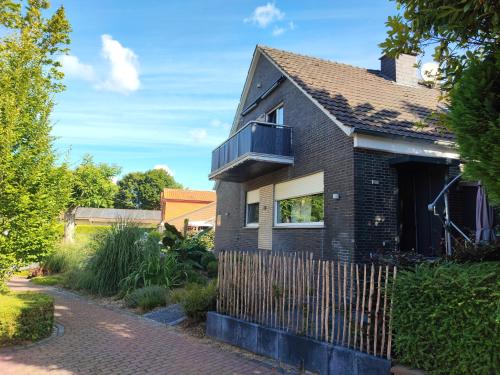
[(425, 138)]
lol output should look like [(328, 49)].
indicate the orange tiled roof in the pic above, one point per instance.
[(189, 195)]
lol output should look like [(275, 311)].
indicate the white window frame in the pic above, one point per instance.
[(319, 224), (254, 200), (311, 224), (275, 108)]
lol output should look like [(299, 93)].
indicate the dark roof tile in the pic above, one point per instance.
[(363, 98)]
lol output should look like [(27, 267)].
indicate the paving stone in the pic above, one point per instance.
[(100, 340), (170, 315)]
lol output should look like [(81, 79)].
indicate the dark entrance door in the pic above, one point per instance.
[(419, 229)]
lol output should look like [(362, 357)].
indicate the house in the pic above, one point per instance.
[(198, 206), (109, 216), (334, 159), (198, 219)]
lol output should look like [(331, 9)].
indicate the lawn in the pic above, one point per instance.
[(48, 280)]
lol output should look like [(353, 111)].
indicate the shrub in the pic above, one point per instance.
[(155, 268), (195, 277), (171, 236), (155, 235), (207, 258), (118, 254), (79, 278), (446, 318), (212, 268), (197, 300), (25, 316), (63, 258), (463, 252), (206, 239), (147, 298)]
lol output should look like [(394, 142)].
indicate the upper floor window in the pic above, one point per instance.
[(276, 115)]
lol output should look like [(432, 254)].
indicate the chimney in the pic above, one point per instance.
[(402, 70)]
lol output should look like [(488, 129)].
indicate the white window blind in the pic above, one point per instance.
[(253, 196), (308, 185)]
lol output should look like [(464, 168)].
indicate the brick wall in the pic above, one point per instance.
[(402, 70), (319, 145), (376, 202), (265, 232)]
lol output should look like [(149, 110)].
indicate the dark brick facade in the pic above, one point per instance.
[(319, 145), (362, 221), (376, 201)]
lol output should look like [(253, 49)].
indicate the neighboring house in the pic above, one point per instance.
[(198, 206), (198, 219), (328, 158), (108, 216)]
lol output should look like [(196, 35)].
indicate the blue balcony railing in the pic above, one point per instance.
[(257, 141)]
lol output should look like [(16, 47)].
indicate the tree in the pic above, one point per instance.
[(474, 117), (466, 40), (141, 190), (460, 32), (32, 186), (91, 186)]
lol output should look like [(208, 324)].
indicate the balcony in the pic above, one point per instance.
[(256, 149)]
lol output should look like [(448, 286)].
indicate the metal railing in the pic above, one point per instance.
[(448, 223), (254, 137)]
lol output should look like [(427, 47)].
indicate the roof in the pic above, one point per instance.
[(189, 195), (205, 214), (117, 214), (361, 98)]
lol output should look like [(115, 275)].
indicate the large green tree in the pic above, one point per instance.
[(91, 186), (465, 39), (141, 190), (475, 119), (32, 187), (457, 33)]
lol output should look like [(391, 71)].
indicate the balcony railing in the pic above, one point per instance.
[(263, 146)]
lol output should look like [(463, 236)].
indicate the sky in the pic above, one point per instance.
[(156, 83)]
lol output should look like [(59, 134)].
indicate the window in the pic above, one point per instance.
[(253, 213), (252, 208), (300, 202), (300, 210), (276, 115)]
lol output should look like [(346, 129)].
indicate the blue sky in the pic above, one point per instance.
[(157, 82)]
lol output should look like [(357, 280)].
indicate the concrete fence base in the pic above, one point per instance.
[(300, 351)]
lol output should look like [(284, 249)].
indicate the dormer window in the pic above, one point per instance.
[(275, 116)]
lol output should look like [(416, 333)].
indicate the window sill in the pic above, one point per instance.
[(299, 226), (250, 226)]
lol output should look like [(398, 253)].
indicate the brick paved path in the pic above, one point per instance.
[(99, 340)]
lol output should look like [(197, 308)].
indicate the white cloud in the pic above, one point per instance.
[(429, 71), (166, 168), (264, 15), (198, 135), (72, 67), (124, 74), (291, 25), (216, 123), (277, 31)]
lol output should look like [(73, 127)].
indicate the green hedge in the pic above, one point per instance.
[(446, 318), (25, 316)]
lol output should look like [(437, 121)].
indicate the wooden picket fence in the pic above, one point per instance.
[(345, 304)]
